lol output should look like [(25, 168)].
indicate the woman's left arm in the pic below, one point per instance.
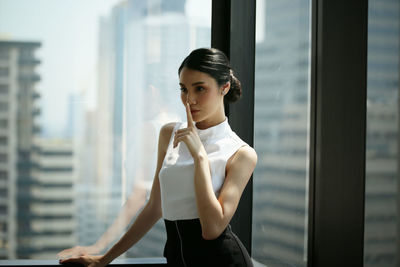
[(215, 214)]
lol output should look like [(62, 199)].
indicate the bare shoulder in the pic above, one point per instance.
[(165, 133), (166, 129), (245, 156)]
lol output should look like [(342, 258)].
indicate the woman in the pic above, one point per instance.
[(202, 170)]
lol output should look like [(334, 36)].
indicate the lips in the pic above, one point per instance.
[(194, 111)]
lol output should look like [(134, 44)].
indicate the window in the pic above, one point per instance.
[(382, 206), (4, 54), (3, 106), (103, 123), (3, 158), (3, 175), (3, 89), (106, 91), (3, 140), (3, 124), (280, 196), (4, 71)]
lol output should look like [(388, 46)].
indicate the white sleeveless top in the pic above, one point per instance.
[(176, 176)]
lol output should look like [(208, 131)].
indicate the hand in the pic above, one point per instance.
[(87, 260), (189, 136), (78, 251)]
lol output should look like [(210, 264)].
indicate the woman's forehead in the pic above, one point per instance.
[(189, 76)]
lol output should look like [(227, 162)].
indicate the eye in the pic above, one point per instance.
[(183, 89), (200, 88)]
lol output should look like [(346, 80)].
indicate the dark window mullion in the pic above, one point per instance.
[(337, 184)]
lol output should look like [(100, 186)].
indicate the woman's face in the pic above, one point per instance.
[(203, 94)]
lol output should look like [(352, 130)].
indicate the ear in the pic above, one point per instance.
[(225, 88)]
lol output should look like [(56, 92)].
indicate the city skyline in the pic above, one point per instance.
[(69, 49), (139, 49)]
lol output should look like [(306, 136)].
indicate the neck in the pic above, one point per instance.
[(211, 121)]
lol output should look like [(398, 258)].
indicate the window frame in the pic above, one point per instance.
[(337, 132), (338, 85), (339, 72)]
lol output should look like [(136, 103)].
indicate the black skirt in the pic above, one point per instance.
[(186, 247)]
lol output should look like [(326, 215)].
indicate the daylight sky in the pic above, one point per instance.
[(68, 31)]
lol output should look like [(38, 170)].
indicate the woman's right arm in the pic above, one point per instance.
[(150, 214)]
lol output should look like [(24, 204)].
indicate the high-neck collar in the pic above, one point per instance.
[(215, 131)]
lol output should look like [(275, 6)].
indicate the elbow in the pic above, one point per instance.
[(154, 208), (210, 234), (157, 213)]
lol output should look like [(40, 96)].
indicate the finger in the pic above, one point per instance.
[(189, 115), (183, 138), (179, 135), (65, 253), (68, 260), (80, 260), (176, 142), (61, 253), (183, 130), (182, 134)]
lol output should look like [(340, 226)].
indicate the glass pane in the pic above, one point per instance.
[(382, 197), (84, 88), (282, 82)]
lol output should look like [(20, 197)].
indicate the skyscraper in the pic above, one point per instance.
[(141, 45), (281, 135), (36, 174), (17, 129), (382, 205), (49, 217)]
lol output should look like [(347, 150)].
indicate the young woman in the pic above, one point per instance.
[(202, 170)]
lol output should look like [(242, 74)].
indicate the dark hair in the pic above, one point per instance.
[(215, 63)]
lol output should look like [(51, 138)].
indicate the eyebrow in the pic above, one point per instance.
[(193, 84)]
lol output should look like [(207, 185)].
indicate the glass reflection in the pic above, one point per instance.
[(281, 132), (79, 171), (382, 197)]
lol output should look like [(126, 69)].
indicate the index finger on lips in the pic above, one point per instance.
[(189, 115)]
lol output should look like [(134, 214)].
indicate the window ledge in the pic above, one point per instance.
[(115, 263)]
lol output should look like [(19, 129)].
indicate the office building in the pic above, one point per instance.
[(49, 214), (17, 129), (281, 135)]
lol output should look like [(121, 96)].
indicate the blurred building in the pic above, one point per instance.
[(281, 135), (36, 175), (382, 197), (141, 45), (50, 214), (17, 130), (91, 194), (158, 38)]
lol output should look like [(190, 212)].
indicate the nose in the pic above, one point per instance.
[(191, 99)]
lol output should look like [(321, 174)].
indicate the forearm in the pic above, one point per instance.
[(130, 208), (210, 211), (143, 223)]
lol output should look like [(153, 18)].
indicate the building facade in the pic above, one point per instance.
[(17, 129)]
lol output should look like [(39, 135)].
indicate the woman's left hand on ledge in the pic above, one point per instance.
[(79, 251), (86, 260)]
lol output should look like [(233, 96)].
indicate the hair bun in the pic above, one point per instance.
[(235, 92)]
